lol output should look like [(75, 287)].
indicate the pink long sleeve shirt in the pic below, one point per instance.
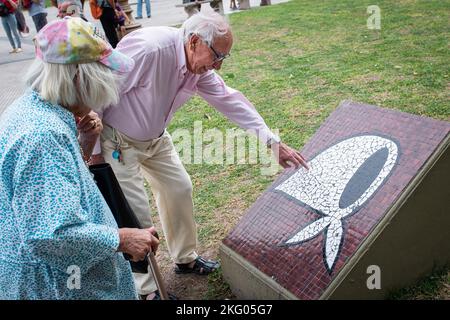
[(160, 84)]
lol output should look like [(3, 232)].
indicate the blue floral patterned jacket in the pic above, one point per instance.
[(58, 238)]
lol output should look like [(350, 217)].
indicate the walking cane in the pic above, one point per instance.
[(157, 276)]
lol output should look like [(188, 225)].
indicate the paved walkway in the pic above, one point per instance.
[(13, 66)]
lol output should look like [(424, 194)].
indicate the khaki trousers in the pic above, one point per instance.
[(158, 162)]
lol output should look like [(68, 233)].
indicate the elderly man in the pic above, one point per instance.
[(73, 8), (171, 65)]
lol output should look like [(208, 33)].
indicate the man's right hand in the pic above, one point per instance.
[(97, 159), (137, 242)]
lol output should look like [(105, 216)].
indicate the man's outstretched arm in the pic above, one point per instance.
[(236, 107)]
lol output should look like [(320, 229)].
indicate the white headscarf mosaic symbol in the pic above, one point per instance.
[(340, 180)]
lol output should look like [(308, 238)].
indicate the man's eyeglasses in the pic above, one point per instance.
[(218, 57)]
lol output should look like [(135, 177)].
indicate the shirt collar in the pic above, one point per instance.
[(181, 55)]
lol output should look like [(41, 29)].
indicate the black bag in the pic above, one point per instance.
[(4, 10), (109, 187)]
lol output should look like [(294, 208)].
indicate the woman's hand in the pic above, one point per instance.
[(137, 242), (13, 4), (89, 128)]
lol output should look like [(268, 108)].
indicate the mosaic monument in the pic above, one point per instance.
[(371, 215)]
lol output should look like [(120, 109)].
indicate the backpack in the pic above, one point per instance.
[(26, 4), (4, 10), (96, 10)]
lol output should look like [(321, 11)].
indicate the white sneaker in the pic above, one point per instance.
[(19, 50), (24, 35), (13, 51)]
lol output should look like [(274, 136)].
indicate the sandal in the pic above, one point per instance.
[(201, 267)]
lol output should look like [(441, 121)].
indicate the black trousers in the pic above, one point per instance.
[(40, 20), (108, 22)]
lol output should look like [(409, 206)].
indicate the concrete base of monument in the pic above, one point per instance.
[(383, 226), (246, 281)]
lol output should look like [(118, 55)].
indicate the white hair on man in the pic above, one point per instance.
[(89, 84), (207, 26)]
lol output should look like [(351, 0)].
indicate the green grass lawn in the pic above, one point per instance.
[(296, 62)]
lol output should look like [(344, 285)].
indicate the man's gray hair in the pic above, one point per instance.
[(207, 26), (95, 85)]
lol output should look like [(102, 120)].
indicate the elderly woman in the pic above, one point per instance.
[(58, 238)]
